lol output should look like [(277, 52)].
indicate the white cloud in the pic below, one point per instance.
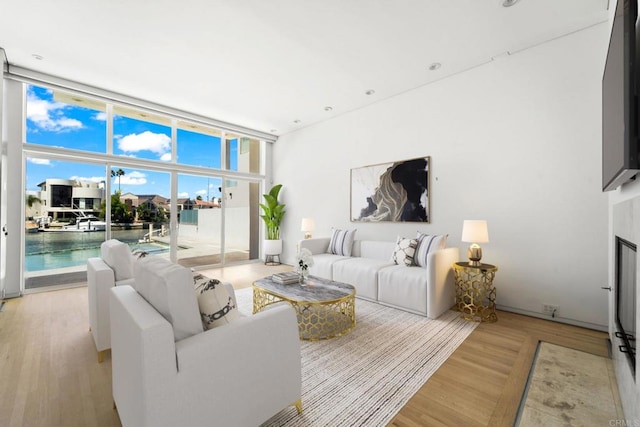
[(155, 142), (101, 117), (166, 157), (133, 178), (87, 179), (183, 194), (201, 192), (49, 116), (36, 161)]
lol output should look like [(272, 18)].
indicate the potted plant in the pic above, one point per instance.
[(273, 213)]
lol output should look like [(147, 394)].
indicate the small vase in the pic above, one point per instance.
[(302, 275)]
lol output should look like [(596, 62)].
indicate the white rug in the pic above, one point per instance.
[(365, 377)]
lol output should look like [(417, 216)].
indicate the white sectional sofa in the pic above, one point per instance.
[(426, 291)]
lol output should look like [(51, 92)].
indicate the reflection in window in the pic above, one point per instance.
[(61, 119)]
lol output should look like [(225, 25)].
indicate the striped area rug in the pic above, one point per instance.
[(365, 377)]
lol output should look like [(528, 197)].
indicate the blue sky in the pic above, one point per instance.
[(53, 123)]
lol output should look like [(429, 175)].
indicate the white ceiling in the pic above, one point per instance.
[(264, 64)]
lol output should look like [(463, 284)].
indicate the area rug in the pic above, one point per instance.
[(365, 377), (569, 387)]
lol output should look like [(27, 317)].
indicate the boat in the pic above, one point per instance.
[(86, 223)]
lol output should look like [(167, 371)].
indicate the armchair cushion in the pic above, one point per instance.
[(117, 255), (168, 287), (217, 307)]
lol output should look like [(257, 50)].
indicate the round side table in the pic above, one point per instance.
[(475, 293)]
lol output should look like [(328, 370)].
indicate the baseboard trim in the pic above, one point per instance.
[(588, 325)]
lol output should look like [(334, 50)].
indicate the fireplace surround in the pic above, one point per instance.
[(623, 317), (625, 299)]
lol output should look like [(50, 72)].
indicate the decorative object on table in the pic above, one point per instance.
[(475, 293), (307, 225), (273, 212), (305, 260), (286, 278), (397, 191), (475, 231)]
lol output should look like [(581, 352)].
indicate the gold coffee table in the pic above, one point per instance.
[(325, 309)]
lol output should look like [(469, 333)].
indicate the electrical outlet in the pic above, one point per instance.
[(550, 309)]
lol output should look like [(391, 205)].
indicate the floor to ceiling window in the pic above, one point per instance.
[(97, 169)]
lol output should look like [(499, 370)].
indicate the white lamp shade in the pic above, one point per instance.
[(307, 224), (475, 231)]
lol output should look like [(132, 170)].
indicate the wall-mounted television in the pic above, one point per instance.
[(620, 145)]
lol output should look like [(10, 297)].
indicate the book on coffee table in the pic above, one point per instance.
[(286, 278)]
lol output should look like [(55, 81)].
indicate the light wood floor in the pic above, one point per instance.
[(49, 374)]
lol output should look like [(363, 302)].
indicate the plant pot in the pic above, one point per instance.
[(272, 247)]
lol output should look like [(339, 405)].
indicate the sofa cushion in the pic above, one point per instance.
[(323, 265), (403, 287), (427, 244), (117, 255), (341, 242), (361, 273), (404, 251), (168, 287), (217, 307)]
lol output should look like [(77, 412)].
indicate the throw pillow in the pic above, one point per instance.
[(341, 242), (217, 308), (427, 244), (404, 251)]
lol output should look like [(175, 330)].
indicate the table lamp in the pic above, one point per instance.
[(308, 225), (475, 231)]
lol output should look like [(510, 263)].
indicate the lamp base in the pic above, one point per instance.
[(307, 235), (475, 255)]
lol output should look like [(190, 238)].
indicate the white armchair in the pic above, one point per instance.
[(239, 374), (112, 268)]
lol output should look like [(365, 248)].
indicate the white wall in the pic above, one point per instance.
[(515, 142)]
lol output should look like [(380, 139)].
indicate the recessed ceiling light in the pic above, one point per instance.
[(38, 57), (370, 92), (328, 108), (509, 3), (297, 121), (434, 66)]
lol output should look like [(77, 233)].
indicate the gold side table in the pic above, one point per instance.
[(475, 293)]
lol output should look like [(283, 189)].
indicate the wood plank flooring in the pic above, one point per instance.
[(50, 375)]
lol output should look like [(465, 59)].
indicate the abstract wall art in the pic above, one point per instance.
[(396, 192)]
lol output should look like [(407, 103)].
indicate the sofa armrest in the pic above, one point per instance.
[(440, 282), (100, 278), (254, 359), (143, 359), (317, 245)]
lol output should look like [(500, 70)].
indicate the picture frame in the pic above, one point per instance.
[(391, 192)]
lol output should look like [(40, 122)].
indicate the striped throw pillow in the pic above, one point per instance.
[(427, 244), (341, 242)]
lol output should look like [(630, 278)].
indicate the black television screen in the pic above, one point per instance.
[(620, 161)]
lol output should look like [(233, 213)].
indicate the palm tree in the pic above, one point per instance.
[(32, 200), (118, 174)]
